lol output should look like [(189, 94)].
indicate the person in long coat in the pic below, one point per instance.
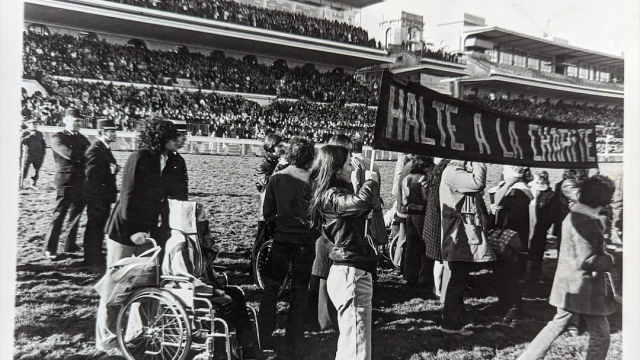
[(100, 191), (139, 211), (579, 283), (69, 148), (464, 219)]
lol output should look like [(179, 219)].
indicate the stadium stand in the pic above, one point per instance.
[(282, 19), (208, 113), (66, 55)]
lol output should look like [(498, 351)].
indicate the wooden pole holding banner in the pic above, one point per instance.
[(366, 223)]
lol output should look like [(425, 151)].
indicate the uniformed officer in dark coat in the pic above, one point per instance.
[(174, 175), (100, 191), (69, 148), (33, 150)]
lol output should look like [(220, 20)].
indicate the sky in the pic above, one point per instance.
[(597, 25)]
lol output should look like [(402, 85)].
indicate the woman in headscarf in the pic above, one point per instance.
[(511, 211), (341, 214), (543, 213)]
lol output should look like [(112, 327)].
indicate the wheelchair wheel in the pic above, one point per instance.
[(153, 325), (261, 265)]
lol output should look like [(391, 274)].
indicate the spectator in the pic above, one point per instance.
[(272, 161), (463, 221), (285, 213), (545, 211), (34, 148), (340, 214), (579, 284)]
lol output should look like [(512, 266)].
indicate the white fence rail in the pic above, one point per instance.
[(239, 147)]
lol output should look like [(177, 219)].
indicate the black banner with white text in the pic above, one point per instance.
[(415, 119)]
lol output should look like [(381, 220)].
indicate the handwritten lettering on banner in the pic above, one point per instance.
[(415, 119)]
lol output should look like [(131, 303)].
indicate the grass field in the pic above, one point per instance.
[(56, 304)]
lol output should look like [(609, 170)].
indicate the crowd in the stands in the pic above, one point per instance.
[(270, 19), (219, 115), (611, 118), (66, 55)]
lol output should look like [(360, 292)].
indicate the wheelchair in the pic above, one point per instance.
[(169, 318), (175, 323)]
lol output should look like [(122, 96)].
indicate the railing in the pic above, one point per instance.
[(240, 147)]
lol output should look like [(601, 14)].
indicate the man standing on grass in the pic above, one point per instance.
[(69, 148), (100, 191), (33, 150)]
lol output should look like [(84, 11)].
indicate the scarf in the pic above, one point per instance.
[(431, 233)]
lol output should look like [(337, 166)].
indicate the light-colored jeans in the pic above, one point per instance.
[(597, 326), (106, 320), (351, 290)]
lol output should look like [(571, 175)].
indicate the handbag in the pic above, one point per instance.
[(127, 275), (500, 239)]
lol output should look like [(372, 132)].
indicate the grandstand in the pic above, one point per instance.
[(514, 73), (221, 68)]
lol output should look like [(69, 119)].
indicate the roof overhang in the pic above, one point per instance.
[(358, 3), (519, 85), (135, 22), (431, 69), (546, 48)]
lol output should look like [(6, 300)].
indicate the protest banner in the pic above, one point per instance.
[(414, 119)]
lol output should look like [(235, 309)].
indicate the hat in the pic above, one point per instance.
[(73, 113), (181, 127), (106, 124)]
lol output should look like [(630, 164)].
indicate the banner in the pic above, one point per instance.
[(417, 120)]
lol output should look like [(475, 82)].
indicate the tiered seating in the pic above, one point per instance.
[(279, 19), (222, 116), (66, 55)]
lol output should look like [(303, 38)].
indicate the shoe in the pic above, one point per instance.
[(573, 331), (463, 331), (49, 255), (72, 249)]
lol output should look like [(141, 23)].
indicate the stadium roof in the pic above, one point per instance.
[(359, 3), (149, 24), (546, 48)]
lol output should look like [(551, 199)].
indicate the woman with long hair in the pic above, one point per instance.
[(341, 214), (140, 212)]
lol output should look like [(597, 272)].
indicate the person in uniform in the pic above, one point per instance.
[(33, 150), (69, 148), (100, 191)]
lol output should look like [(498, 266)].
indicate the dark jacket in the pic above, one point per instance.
[(100, 185), (546, 208), (142, 198), (514, 212), (268, 165), (411, 198), (344, 219), (69, 153), (286, 206), (579, 283), (176, 178), (35, 145)]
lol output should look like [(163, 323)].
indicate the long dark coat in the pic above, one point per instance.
[(100, 185)]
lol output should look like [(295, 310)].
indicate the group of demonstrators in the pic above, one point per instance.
[(272, 19), (322, 208), (66, 55)]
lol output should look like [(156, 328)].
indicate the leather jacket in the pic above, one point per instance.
[(345, 213)]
